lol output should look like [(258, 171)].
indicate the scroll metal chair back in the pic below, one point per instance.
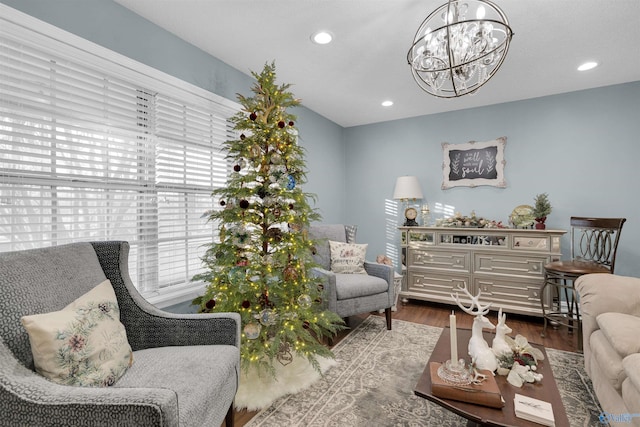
[(596, 240), (594, 246)]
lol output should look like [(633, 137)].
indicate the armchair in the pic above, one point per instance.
[(185, 369), (350, 294)]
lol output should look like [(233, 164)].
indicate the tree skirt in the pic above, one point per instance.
[(259, 390), (377, 371)]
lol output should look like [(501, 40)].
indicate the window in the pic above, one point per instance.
[(94, 146)]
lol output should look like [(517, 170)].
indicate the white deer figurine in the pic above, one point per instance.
[(500, 345), (481, 354)]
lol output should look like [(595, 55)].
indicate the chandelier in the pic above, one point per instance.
[(459, 47)]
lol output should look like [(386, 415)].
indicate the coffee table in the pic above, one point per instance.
[(546, 390)]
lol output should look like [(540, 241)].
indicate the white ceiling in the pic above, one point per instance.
[(347, 80)]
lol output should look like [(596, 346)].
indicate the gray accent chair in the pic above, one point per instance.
[(351, 294), (185, 370)]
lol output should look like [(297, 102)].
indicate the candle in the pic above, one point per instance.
[(454, 339)]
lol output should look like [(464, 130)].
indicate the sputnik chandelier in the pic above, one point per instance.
[(459, 47)]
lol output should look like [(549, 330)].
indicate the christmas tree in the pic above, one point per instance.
[(261, 265)]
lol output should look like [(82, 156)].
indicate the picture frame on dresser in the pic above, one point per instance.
[(474, 163)]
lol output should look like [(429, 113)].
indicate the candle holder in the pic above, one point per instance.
[(455, 373)]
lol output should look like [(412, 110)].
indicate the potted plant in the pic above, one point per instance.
[(541, 209)]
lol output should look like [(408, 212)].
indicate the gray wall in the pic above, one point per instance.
[(580, 147)]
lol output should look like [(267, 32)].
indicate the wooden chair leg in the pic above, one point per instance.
[(387, 314), (228, 420)]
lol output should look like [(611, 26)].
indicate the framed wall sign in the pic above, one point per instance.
[(474, 163)]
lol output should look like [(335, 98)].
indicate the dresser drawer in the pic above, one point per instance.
[(512, 295), (439, 259), (502, 263), (434, 287)]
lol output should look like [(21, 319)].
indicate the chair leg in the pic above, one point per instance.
[(387, 314), (228, 420)]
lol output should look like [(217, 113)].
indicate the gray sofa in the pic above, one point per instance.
[(185, 370), (610, 307)]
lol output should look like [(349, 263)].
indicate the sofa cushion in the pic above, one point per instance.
[(323, 233), (84, 344), (183, 369), (348, 258), (607, 358), (621, 331), (359, 285)]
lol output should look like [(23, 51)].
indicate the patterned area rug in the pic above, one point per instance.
[(374, 379)]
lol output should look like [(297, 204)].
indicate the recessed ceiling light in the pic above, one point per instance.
[(322, 37), (387, 103), (587, 66)]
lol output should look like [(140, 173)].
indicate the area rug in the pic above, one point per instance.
[(374, 379)]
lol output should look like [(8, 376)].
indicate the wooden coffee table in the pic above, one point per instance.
[(546, 390)]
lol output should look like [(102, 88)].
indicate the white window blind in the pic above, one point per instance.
[(93, 150)]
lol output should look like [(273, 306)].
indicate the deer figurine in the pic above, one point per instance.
[(500, 345), (482, 355)]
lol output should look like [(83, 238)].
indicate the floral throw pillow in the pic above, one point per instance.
[(84, 344), (348, 257)]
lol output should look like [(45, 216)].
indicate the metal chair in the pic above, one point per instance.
[(594, 243)]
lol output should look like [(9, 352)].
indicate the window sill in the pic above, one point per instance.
[(176, 295)]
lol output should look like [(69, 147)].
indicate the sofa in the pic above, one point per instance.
[(610, 307), (185, 369)]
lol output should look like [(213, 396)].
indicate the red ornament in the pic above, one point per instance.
[(290, 205), (242, 136), (222, 203), (291, 123), (237, 168), (210, 304), (253, 116), (280, 124), (246, 304), (244, 204)]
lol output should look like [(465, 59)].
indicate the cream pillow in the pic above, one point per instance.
[(348, 257), (84, 344)]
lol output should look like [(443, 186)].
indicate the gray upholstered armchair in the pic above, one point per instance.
[(351, 294), (185, 369)]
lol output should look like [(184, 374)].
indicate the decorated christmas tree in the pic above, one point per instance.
[(260, 265)]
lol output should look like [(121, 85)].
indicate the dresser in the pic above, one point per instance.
[(506, 265)]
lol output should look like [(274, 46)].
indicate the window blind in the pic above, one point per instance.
[(91, 150)]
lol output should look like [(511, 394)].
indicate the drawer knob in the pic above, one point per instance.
[(457, 261), (530, 242), (534, 267)]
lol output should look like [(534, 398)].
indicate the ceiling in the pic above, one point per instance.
[(346, 80)]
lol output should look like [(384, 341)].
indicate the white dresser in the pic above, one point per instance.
[(507, 265)]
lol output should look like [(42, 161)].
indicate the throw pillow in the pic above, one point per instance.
[(84, 344), (348, 257)]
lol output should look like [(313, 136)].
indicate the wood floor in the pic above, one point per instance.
[(438, 315)]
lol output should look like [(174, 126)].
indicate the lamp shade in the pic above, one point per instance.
[(407, 187)]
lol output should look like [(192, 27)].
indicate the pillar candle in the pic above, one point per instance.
[(454, 339)]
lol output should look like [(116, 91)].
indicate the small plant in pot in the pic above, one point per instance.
[(541, 209)]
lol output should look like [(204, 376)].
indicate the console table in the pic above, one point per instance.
[(507, 265)]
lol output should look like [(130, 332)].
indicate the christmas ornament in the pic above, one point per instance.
[(291, 123), (237, 168), (255, 151), (304, 300), (281, 124), (267, 317), (253, 116), (222, 203), (252, 330), (290, 273), (291, 182), (277, 212), (276, 158), (244, 204), (210, 304), (284, 355), (242, 136), (246, 304)]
